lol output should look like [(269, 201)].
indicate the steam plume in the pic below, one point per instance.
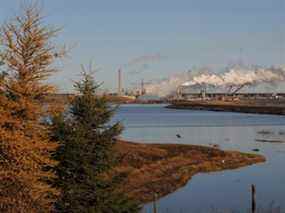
[(167, 86), (142, 63), (144, 59), (232, 80), (239, 77)]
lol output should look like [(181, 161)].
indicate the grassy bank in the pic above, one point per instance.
[(231, 106), (163, 168)]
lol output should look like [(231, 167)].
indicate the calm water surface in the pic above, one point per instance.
[(232, 131)]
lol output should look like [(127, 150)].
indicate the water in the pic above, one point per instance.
[(232, 131)]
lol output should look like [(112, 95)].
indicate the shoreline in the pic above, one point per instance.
[(224, 106), (149, 169)]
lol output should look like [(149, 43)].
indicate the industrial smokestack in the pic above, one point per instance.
[(119, 82), (142, 87)]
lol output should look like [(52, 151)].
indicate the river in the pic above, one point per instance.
[(231, 131)]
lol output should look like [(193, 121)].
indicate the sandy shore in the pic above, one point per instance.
[(163, 168)]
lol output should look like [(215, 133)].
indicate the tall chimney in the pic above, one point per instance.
[(119, 82), (142, 87)]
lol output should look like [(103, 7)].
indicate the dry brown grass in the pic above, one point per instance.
[(162, 169)]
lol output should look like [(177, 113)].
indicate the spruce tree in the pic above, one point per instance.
[(86, 154), (27, 54)]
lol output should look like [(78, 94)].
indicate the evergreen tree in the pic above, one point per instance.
[(25, 147), (86, 154)]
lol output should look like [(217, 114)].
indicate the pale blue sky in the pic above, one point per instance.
[(186, 32)]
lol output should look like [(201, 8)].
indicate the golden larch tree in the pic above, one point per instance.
[(27, 52)]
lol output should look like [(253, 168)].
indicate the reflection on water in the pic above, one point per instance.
[(231, 131)]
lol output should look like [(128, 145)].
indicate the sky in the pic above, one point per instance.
[(185, 33)]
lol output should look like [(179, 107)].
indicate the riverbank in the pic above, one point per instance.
[(114, 99), (148, 169), (231, 106)]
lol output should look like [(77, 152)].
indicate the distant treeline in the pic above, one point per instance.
[(67, 97)]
